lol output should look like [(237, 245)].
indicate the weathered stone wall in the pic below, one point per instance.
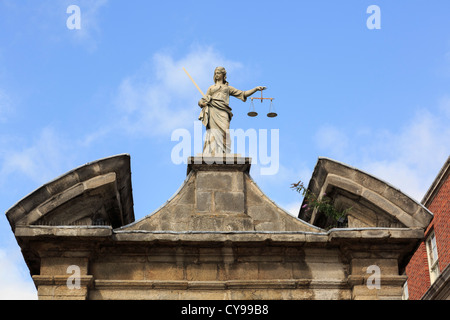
[(243, 272), (218, 237), (148, 265)]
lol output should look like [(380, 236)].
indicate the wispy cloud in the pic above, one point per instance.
[(46, 21), (415, 154), (90, 31), (332, 139), (292, 208), (15, 280), (277, 186), (45, 158), (409, 158), (160, 97)]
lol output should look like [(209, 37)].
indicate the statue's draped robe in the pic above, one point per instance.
[(216, 117)]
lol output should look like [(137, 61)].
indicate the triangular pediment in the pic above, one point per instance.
[(220, 197)]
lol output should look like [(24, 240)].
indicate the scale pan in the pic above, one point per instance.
[(252, 114), (272, 114)]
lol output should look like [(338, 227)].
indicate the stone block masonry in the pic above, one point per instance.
[(218, 237)]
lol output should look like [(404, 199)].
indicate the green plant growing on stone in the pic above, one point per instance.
[(322, 205)]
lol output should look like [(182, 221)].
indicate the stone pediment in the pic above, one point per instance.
[(98, 193), (219, 195), (373, 202)]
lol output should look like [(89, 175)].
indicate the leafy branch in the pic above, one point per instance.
[(323, 205)]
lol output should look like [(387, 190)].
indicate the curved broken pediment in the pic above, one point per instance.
[(98, 193), (373, 202)]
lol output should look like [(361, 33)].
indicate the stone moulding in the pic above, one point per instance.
[(231, 162), (78, 232), (390, 280), (45, 280), (221, 285)]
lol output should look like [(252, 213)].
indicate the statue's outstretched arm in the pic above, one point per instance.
[(248, 93)]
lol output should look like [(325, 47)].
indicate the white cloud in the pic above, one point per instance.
[(160, 97), (292, 208), (90, 30), (277, 187), (333, 140), (91, 138), (15, 280), (285, 175), (400, 174), (46, 20), (45, 159), (417, 153), (408, 158)]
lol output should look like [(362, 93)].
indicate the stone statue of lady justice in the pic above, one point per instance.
[(216, 113)]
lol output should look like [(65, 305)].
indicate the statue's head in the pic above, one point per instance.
[(223, 72)]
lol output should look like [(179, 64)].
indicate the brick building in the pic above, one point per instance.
[(428, 270)]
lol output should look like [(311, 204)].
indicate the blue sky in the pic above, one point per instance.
[(375, 99)]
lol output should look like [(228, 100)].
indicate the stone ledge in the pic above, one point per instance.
[(63, 231), (61, 280), (221, 285), (281, 236), (387, 280), (218, 236), (244, 236), (376, 233), (229, 162)]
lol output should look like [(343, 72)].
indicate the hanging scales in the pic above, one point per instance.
[(270, 114)]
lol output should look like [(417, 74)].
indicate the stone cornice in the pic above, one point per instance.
[(220, 285), (333, 235)]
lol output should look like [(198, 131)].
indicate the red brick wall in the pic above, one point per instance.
[(418, 274), (440, 206), (417, 269)]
